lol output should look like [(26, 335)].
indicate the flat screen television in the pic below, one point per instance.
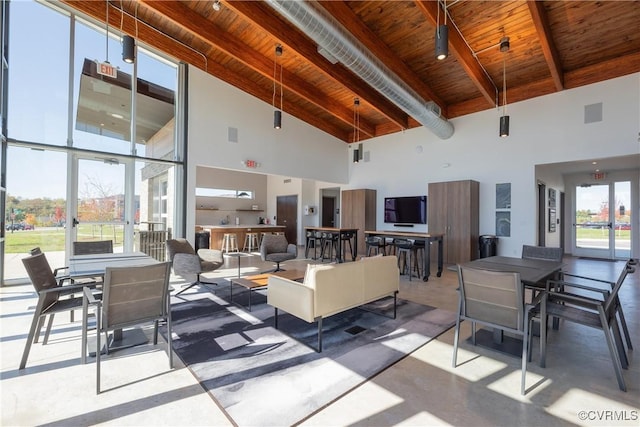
[(405, 210)]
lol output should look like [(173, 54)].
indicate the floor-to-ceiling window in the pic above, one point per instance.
[(90, 157)]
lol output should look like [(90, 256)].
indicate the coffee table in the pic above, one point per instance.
[(262, 280)]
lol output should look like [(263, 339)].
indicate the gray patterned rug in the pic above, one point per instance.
[(264, 376)]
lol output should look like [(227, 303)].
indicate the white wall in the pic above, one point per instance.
[(547, 129), (297, 149)]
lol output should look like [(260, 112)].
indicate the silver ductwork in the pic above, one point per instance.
[(333, 38)]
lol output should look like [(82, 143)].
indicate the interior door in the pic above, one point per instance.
[(287, 215), (328, 211), (98, 203), (602, 222)]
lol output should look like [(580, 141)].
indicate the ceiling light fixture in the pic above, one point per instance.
[(358, 152), (216, 5), (504, 120), (442, 35), (277, 114), (128, 42)]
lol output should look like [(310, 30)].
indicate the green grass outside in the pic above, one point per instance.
[(52, 239), (596, 233)]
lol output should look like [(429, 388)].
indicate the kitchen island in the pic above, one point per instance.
[(217, 231)]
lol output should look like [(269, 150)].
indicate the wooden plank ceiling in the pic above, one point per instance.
[(554, 45)]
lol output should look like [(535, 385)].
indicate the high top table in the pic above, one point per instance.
[(426, 238)]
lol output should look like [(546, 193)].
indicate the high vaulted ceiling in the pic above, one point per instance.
[(554, 46)]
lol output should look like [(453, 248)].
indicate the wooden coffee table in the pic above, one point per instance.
[(261, 281)]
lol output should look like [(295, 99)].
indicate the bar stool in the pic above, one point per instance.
[(312, 242), (229, 242), (346, 238), (250, 242), (329, 241), (406, 252), (376, 243)]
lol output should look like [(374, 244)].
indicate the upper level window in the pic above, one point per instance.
[(218, 192)]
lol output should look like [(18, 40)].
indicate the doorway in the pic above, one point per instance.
[(602, 220), (287, 215), (99, 208), (328, 211)]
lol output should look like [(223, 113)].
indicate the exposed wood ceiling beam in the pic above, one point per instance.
[(264, 17), (343, 14), (194, 23), (539, 16), (165, 43), (463, 53)]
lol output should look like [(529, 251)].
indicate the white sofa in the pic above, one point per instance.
[(332, 288)]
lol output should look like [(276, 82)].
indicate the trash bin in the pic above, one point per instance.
[(202, 240), (488, 246)]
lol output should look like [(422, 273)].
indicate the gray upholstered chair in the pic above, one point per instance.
[(188, 263), (494, 299), (53, 297), (131, 296), (276, 248)]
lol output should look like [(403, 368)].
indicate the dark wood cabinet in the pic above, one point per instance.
[(358, 211), (453, 210)]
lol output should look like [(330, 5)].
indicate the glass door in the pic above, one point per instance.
[(100, 206), (602, 226)]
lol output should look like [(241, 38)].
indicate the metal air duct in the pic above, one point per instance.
[(331, 36)]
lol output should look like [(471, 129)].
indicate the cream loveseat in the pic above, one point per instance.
[(332, 288)]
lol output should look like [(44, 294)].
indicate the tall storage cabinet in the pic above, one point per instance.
[(453, 210), (359, 211)]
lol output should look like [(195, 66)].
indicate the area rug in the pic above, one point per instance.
[(262, 376)]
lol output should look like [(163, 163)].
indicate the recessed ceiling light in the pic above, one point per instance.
[(594, 163)]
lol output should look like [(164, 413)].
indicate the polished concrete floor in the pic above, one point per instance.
[(578, 386)]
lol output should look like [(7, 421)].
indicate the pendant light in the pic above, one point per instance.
[(277, 114), (442, 35), (358, 152), (107, 31), (128, 42), (504, 120)]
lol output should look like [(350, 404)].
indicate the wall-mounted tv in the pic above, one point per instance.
[(405, 210)]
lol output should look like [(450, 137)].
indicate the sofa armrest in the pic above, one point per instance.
[(292, 249), (293, 297)]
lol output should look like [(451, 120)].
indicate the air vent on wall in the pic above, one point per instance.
[(232, 134), (593, 113)]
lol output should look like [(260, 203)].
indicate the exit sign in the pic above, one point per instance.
[(599, 176), (251, 163), (106, 69)]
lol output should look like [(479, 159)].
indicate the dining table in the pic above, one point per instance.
[(427, 238), (531, 272), (95, 266)]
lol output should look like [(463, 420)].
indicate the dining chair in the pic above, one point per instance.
[(188, 263), (494, 299), (592, 280), (130, 296), (94, 247), (54, 296), (599, 310)]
